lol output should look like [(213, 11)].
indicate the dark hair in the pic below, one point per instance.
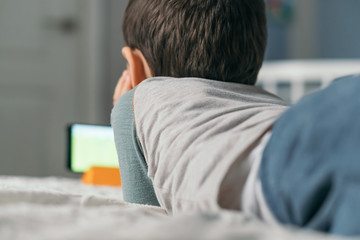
[(215, 39)]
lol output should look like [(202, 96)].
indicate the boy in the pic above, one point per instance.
[(194, 139), (188, 140)]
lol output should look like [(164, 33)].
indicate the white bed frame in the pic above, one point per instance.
[(293, 79)]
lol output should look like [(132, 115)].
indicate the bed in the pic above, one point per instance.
[(60, 208)]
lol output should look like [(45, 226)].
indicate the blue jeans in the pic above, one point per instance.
[(310, 170)]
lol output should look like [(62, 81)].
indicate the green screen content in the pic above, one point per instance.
[(92, 145)]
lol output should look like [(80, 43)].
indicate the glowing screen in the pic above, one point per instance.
[(92, 145)]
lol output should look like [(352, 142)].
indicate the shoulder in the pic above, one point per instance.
[(165, 90)]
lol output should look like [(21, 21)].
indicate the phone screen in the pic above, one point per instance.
[(91, 145)]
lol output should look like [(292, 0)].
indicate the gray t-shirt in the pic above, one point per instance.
[(194, 132)]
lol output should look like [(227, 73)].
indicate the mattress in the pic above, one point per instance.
[(59, 208)]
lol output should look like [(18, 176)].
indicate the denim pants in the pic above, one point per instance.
[(310, 171)]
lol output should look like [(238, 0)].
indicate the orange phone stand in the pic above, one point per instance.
[(102, 176)]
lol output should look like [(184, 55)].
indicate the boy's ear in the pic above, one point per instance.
[(136, 65)]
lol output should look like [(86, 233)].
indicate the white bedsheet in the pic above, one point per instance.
[(55, 208)]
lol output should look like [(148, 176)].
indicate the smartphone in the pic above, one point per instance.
[(90, 145)]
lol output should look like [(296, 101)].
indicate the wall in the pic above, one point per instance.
[(338, 31), (319, 29), (115, 42)]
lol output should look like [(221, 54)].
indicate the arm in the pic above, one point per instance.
[(137, 186)]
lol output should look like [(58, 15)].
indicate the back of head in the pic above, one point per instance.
[(222, 40)]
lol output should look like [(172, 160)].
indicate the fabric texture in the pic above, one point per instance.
[(137, 186), (310, 171), (252, 199), (193, 132), (58, 208)]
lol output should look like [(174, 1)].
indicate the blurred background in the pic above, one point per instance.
[(60, 61)]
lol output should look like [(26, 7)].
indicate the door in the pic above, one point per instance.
[(41, 86)]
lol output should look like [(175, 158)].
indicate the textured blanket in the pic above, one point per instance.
[(55, 208)]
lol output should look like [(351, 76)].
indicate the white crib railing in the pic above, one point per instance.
[(293, 79)]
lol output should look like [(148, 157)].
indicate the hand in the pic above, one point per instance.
[(124, 85)]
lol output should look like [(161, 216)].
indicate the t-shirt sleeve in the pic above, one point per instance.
[(137, 186)]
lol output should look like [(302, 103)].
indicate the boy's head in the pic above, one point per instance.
[(215, 39)]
